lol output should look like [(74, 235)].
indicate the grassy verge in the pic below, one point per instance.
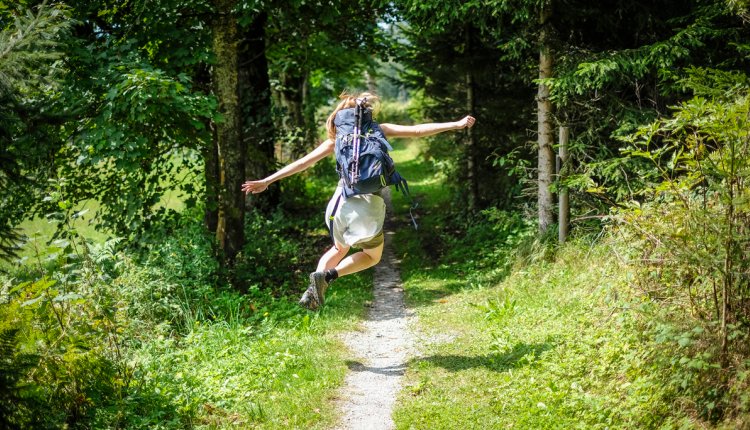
[(103, 337), (281, 371), (533, 342)]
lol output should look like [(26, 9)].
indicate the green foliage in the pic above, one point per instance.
[(610, 330), (16, 398), (691, 233), (157, 337), (29, 46), (608, 69), (741, 8), (555, 343), (446, 46), (70, 322), (30, 77), (169, 284), (141, 142), (562, 341), (319, 49), (607, 83), (490, 238)]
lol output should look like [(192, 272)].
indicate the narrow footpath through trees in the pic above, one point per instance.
[(381, 348)]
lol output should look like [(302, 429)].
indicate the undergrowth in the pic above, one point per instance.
[(156, 335), (533, 335)]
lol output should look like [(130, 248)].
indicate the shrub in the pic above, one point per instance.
[(692, 240)]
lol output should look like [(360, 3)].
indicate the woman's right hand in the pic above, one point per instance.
[(254, 187), (466, 122)]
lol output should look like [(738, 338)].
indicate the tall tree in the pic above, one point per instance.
[(454, 58), (317, 51), (127, 117), (30, 78), (471, 151), (622, 67), (231, 149), (255, 99), (546, 156)]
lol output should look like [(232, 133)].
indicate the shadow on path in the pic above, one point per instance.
[(397, 370), (521, 355)]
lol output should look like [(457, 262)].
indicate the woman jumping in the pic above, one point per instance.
[(353, 220)]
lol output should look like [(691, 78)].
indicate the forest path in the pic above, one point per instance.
[(380, 348)]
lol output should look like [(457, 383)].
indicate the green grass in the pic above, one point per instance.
[(537, 350), (192, 352), (533, 343), (279, 373)]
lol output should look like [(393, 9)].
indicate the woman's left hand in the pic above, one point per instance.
[(254, 187)]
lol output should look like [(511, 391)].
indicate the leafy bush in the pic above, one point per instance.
[(17, 400), (487, 239), (690, 240), (281, 251), (66, 318), (171, 281), (94, 322)]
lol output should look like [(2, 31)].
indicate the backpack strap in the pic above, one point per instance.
[(414, 206), (401, 185), (333, 215)]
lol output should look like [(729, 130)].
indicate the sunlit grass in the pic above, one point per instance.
[(278, 374), (540, 344)]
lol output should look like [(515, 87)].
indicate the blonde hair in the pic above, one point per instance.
[(348, 101)]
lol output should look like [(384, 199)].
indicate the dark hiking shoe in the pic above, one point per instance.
[(314, 296), (308, 301), (319, 285)]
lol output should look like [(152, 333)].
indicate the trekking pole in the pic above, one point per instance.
[(354, 170), (357, 132)]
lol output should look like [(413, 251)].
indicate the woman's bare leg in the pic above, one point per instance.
[(332, 257), (360, 261)]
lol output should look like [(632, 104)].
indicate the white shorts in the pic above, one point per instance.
[(358, 220)]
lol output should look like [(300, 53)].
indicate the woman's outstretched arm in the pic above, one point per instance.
[(423, 130), (297, 166)]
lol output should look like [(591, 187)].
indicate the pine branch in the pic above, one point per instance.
[(32, 41)]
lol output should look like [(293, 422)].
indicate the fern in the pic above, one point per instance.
[(13, 367)]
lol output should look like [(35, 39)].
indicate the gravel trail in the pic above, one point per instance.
[(380, 349)]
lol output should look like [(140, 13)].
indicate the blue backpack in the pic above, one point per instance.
[(362, 159)]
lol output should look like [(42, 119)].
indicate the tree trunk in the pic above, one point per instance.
[(297, 121), (471, 164), (211, 174), (209, 152), (546, 166), (255, 99), (308, 114), (230, 146), (370, 83)]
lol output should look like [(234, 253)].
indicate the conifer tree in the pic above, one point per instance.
[(29, 72)]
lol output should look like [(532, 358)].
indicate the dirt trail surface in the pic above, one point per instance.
[(380, 349)]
